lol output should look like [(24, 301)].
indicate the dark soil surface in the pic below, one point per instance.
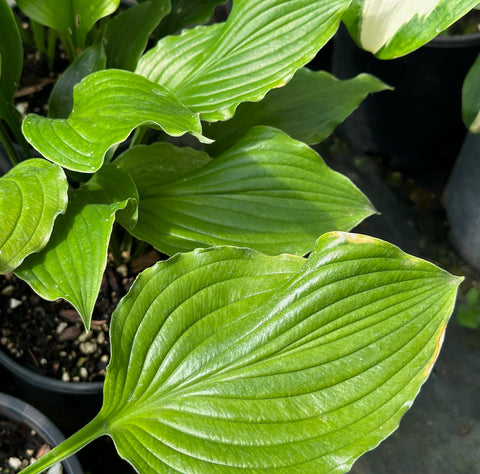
[(19, 446), (49, 337)]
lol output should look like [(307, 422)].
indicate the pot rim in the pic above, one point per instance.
[(455, 41), (17, 409), (48, 383)]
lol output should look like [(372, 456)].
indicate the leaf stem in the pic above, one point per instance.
[(39, 37), (7, 144), (67, 41), (115, 248), (138, 136), (94, 429), (52, 43)]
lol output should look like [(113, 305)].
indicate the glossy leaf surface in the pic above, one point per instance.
[(74, 18), (32, 195), (308, 108), (471, 98), (390, 29), (212, 69), (268, 192), (127, 34), (90, 60), (225, 360), (71, 266), (108, 105)]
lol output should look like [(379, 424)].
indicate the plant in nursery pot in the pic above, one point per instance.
[(237, 352), (26, 434), (417, 127), (461, 197)]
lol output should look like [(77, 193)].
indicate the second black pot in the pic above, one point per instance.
[(17, 410), (418, 126), (69, 405)]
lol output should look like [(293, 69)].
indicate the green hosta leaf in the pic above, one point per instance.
[(392, 29), (11, 56), (308, 108), (127, 34), (471, 98), (32, 195), (72, 264), (268, 192), (108, 105), (225, 360), (61, 99), (212, 69), (185, 13), (11, 59), (73, 18)]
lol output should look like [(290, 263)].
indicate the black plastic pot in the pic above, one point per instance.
[(462, 202), (69, 405), (417, 126), (18, 410)]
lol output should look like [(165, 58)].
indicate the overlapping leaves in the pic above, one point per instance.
[(32, 195), (212, 69), (226, 360), (72, 264), (308, 108), (185, 13), (73, 18), (267, 192), (127, 34), (391, 29), (108, 105)]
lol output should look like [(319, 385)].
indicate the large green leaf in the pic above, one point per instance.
[(471, 98), (308, 108), (391, 29), (216, 368), (90, 60), (185, 13), (108, 105), (73, 18), (127, 34), (268, 192), (71, 266), (32, 195), (212, 69), (225, 360)]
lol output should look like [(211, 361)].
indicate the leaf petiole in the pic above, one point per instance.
[(93, 430), (7, 144)]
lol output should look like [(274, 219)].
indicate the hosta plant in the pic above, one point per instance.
[(238, 352), (226, 359)]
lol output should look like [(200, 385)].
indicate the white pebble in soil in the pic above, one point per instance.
[(88, 347), (85, 336), (14, 463), (13, 303)]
